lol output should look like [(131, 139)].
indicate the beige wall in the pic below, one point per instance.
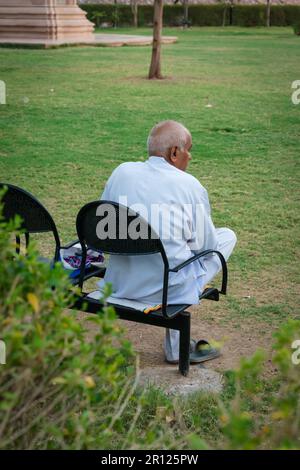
[(11, 3), (45, 20), (36, 2)]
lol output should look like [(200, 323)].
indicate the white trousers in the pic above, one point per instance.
[(226, 242)]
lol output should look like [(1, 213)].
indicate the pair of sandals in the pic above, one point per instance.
[(200, 351)]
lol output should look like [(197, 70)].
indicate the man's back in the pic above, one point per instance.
[(167, 198)]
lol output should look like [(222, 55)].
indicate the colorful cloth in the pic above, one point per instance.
[(71, 258)]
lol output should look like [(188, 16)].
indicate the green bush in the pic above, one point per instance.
[(207, 15), (121, 15), (264, 414), (145, 15), (296, 28), (243, 15), (199, 15), (255, 15), (292, 14), (57, 389), (278, 16)]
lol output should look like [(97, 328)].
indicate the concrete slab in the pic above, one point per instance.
[(168, 379), (105, 40), (129, 40)]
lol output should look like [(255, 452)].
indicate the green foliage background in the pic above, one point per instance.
[(199, 15)]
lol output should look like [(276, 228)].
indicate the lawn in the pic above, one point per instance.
[(74, 114)]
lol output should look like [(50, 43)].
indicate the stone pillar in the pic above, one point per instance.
[(44, 22)]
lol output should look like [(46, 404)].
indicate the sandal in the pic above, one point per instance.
[(200, 351), (203, 351)]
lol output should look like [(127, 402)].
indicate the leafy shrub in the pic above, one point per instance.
[(263, 414), (278, 16), (297, 29), (57, 389), (207, 15), (245, 16), (97, 16), (255, 15), (199, 15), (291, 12), (120, 14)]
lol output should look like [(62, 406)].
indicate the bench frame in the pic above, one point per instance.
[(169, 316)]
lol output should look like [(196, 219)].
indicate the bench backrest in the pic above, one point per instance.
[(35, 217), (116, 229)]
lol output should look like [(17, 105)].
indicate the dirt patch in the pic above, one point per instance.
[(236, 341)]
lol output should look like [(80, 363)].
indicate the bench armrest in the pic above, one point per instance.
[(69, 245), (201, 255)]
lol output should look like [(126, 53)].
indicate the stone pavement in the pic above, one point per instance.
[(200, 379), (100, 39)]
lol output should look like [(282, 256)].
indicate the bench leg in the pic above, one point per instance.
[(184, 344)]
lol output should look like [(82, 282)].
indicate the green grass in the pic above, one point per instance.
[(74, 114)]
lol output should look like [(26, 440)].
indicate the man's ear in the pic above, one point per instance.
[(173, 154)]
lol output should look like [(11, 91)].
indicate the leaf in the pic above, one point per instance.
[(58, 381), (34, 302), (89, 382)]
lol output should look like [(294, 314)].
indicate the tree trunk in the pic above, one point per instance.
[(186, 13), (224, 16), (115, 14), (268, 23), (134, 9), (230, 15), (135, 18), (155, 66)]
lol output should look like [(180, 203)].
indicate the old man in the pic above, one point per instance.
[(162, 182)]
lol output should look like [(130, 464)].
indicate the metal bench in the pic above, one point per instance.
[(169, 316), (36, 219)]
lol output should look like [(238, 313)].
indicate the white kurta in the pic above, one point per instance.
[(156, 182)]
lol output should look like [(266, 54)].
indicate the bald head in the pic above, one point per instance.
[(166, 135)]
